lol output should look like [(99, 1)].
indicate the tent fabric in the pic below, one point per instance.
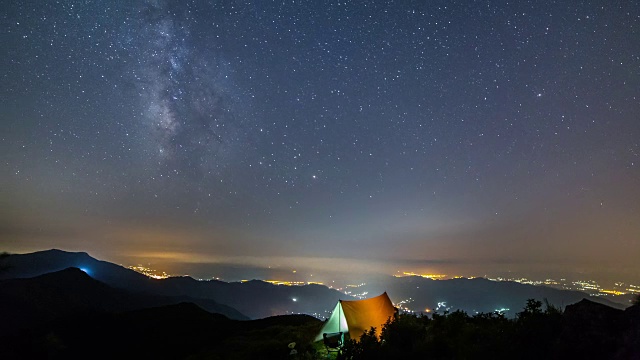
[(357, 316), (336, 323)]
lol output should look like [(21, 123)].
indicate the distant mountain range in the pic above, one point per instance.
[(257, 299), (254, 299), (474, 295)]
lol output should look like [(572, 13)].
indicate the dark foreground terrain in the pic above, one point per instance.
[(182, 331), (586, 330)]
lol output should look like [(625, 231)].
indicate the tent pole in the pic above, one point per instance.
[(339, 315)]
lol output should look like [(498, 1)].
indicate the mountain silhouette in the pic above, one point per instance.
[(476, 295), (47, 261), (258, 299), (255, 299), (25, 303)]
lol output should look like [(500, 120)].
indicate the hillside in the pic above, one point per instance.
[(475, 295), (274, 300), (471, 295), (25, 303), (177, 331)]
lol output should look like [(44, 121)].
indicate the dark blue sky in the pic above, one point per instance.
[(455, 132)]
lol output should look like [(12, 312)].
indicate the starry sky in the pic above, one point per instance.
[(466, 135)]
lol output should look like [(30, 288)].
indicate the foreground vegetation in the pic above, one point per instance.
[(587, 330)]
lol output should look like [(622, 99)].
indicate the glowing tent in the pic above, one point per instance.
[(356, 316)]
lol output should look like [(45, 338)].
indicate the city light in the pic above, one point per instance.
[(154, 274), (428, 276)]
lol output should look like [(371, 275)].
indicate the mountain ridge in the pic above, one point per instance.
[(274, 300), (471, 295), (29, 302)]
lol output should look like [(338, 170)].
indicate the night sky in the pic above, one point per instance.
[(415, 135)]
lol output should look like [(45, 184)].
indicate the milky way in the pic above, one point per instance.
[(468, 133), (185, 104)]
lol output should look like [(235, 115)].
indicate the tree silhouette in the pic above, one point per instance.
[(457, 335)]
